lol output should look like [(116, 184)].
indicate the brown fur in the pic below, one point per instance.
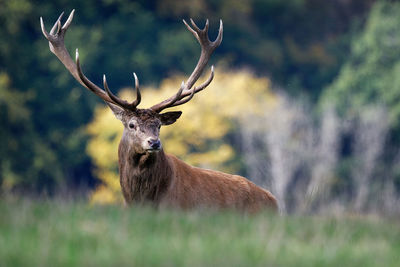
[(164, 180)]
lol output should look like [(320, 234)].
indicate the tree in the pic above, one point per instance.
[(367, 92), (371, 74)]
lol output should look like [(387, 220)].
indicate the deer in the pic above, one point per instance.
[(148, 175)]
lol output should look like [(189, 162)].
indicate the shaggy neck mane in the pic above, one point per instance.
[(145, 177)]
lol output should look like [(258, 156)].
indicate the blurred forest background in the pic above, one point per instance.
[(306, 98)]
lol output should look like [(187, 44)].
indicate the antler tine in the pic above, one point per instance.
[(69, 20), (56, 24), (170, 101), (195, 90), (207, 48), (199, 88), (44, 31), (207, 82), (184, 100), (116, 100), (138, 95), (218, 40), (88, 84), (190, 28), (207, 25), (196, 28), (121, 102)]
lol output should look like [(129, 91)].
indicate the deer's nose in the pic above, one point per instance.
[(154, 143)]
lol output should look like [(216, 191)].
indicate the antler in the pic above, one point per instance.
[(185, 92), (57, 47)]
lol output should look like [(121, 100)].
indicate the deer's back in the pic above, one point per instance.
[(195, 187)]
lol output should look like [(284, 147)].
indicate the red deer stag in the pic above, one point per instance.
[(147, 174)]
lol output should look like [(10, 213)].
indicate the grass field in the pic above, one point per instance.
[(53, 233)]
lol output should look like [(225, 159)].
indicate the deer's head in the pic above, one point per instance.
[(141, 126)]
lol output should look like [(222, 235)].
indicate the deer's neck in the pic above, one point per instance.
[(144, 177)]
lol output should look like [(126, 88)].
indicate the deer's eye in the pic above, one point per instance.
[(131, 125)]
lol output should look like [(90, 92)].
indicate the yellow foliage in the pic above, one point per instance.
[(106, 131), (103, 195), (198, 137)]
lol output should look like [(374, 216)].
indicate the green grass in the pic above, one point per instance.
[(53, 233)]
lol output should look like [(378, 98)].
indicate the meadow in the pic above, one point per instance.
[(74, 233)]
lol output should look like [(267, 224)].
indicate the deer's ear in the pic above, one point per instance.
[(168, 118), (118, 111)]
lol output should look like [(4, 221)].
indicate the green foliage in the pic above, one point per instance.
[(16, 119), (43, 233), (371, 74)]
